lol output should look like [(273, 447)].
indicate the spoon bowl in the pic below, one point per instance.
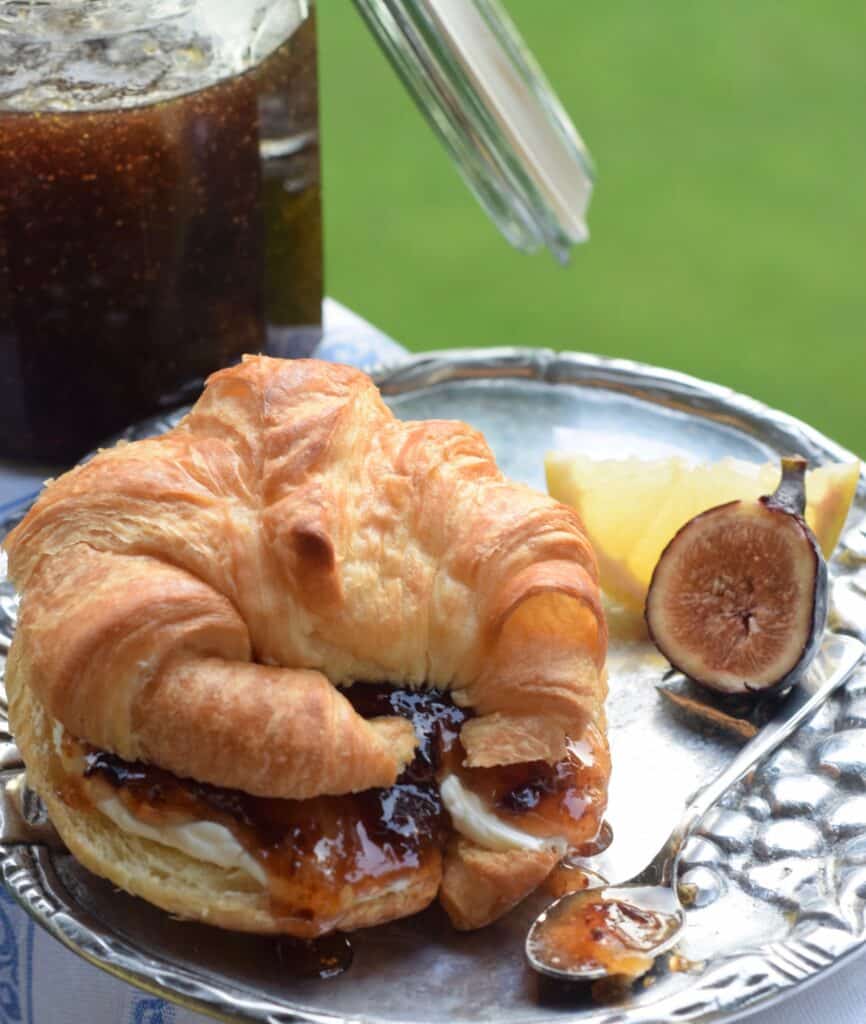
[(592, 933), (621, 929)]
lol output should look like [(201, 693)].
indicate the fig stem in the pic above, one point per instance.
[(790, 495)]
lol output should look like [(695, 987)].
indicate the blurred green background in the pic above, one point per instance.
[(728, 221)]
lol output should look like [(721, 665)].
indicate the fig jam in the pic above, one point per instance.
[(315, 850), (437, 722), (144, 246), (564, 799), (593, 932), (326, 851), (325, 957)]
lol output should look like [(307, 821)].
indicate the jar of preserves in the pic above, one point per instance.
[(160, 209), (159, 205)]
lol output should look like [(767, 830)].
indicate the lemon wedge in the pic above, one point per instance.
[(632, 507)]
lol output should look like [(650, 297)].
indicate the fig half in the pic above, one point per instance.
[(738, 600)]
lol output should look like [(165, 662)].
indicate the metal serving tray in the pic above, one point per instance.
[(779, 870)]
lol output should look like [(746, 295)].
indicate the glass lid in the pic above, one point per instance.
[(481, 90)]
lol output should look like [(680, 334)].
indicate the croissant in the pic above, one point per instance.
[(297, 666)]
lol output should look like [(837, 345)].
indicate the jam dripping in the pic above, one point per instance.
[(321, 854), (402, 819), (381, 831), (324, 958), (569, 877), (596, 845)]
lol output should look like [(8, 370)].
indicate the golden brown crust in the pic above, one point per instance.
[(512, 739), (192, 600), (290, 520), (479, 886), (118, 680), (175, 882)]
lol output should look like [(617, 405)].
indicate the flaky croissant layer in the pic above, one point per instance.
[(192, 600)]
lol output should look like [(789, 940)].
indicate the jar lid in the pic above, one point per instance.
[(481, 90)]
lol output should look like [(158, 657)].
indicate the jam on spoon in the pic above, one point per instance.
[(596, 932), (616, 931)]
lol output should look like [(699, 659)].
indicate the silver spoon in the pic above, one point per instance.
[(644, 914)]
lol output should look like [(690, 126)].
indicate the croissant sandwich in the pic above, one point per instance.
[(297, 666)]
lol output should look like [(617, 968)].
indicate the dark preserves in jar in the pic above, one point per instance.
[(152, 233)]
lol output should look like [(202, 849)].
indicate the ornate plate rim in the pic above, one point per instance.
[(26, 868)]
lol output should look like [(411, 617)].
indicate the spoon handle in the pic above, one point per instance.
[(837, 659)]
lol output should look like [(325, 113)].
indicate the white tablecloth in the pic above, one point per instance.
[(41, 982)]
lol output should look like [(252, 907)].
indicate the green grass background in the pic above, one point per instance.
[(728, 221)]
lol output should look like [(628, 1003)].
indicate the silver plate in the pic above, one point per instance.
[(779, 869)]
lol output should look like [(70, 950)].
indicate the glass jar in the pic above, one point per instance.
[(159, 205), (160, 209)]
